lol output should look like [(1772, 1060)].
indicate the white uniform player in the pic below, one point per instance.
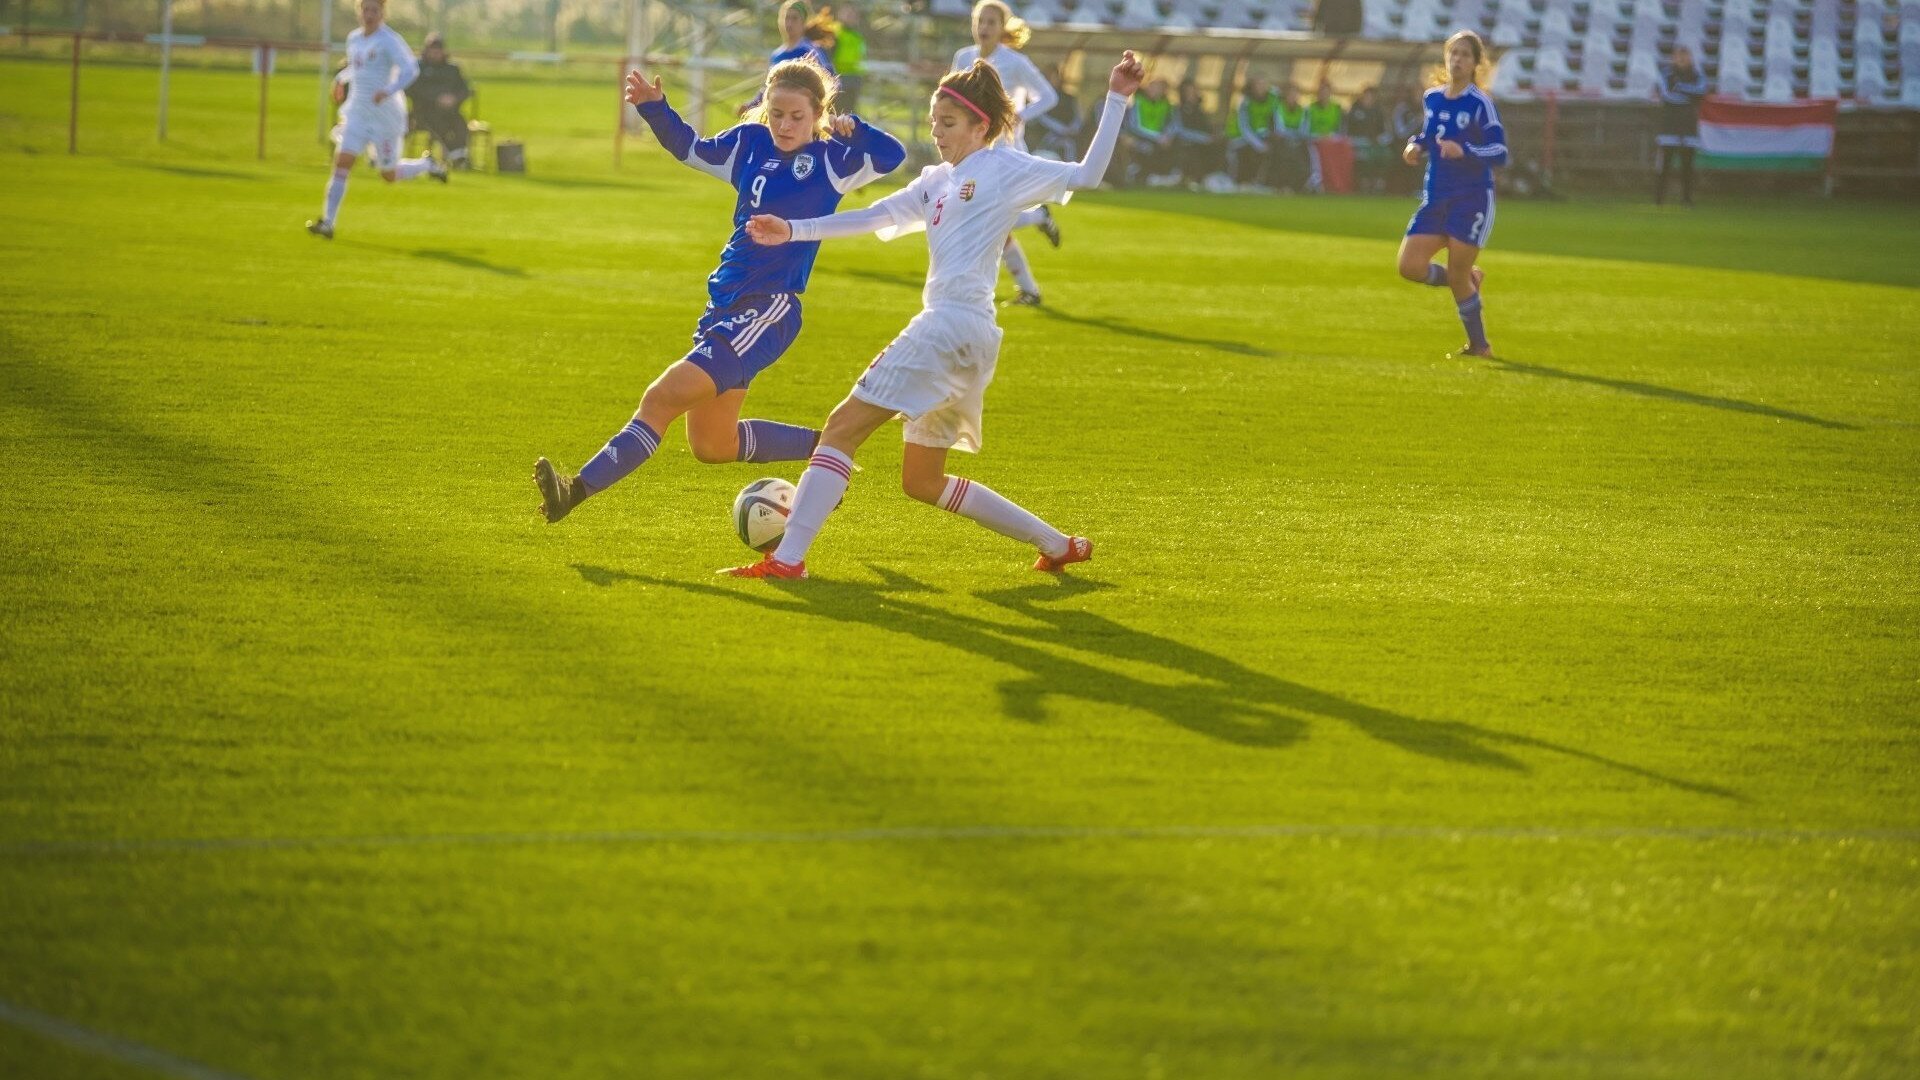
[(1032, 94), (997, 37), (378, 65), (936, 372), (373, 114)]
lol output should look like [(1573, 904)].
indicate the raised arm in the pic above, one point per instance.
[(859, 153), (711, 156), (1121, 84)]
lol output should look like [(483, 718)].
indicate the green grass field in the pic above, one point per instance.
[(1547, 717)]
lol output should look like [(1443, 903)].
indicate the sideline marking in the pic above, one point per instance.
[(939, 833), (125, 1051)]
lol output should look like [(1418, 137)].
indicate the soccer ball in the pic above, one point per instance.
[(760, 512)]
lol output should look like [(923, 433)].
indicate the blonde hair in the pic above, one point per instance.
[(1439, 77), (980, 86), (803, 75), (1013, 29)]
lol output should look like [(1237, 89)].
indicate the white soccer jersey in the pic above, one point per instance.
[(1032, 94), (376, 62), (967, 210)]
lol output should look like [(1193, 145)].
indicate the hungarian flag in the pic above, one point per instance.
[(1737, 134)]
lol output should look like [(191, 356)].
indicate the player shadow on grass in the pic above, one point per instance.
[(440, 255), (196, 172), (1111, 326), (1667, 393), (1220, 697)]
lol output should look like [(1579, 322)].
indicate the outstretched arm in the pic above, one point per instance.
[(1121, 84), (896, 214)]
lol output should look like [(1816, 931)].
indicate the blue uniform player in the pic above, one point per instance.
[(795, 45), (791, 158), (1461, 143)]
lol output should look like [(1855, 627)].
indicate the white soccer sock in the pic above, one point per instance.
[(1031, 216), (412, 167), (821, 488), (988, 507), (1016, 261), (336, 191)]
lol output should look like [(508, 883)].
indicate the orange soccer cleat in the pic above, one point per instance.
[(1079, 549), (768, 567)]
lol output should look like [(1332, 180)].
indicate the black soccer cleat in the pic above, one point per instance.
[(1049, 228), (559, 493), (321, 229), (1025, 299), (437, 170)]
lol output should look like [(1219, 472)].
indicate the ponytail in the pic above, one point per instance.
[(980, 86)]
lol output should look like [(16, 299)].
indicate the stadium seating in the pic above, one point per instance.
[(1776, 50)]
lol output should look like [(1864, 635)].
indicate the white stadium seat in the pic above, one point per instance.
[(1866, 50)]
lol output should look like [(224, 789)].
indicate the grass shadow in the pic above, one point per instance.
[(1864, 243), (1111, 326), (1667, 393), (580, 183), (467, 262), (1210, 695), (195, 172), (440, 255)]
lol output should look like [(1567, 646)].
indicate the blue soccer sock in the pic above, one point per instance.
[(623, 453), (1436, 274), (764, 440), (1470, 318)]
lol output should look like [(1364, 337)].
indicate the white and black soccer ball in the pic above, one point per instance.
[(760, 512)]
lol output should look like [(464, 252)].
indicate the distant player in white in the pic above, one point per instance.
[(998, 38), (936, 372), (374, 116)]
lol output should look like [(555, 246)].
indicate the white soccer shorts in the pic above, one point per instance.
[(379, 136), (936, 374)]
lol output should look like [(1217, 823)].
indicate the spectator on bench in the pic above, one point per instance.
[(1150, 137), (1197, 145), (1325, 120), (1292, 138), (1367, 127), (1250, 134), (436, 97), (1059, 129)]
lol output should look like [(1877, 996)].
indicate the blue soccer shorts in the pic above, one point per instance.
[(1466, 216), (734, 343)]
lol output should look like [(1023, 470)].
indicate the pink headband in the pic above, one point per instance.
[(962, 99)]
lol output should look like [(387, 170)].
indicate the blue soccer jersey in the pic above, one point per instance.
[(805, 183), (804, 51), (1471, 121)]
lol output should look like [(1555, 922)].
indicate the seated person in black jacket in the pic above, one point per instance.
[(436, 96), (1059, 132)]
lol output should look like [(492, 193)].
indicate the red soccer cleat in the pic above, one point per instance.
[(1079, 549), (768, 567)]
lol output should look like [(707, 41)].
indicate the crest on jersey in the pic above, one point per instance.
[(802, 166), (966, 191)]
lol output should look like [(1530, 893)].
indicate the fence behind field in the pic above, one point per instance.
[(708, 87)]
